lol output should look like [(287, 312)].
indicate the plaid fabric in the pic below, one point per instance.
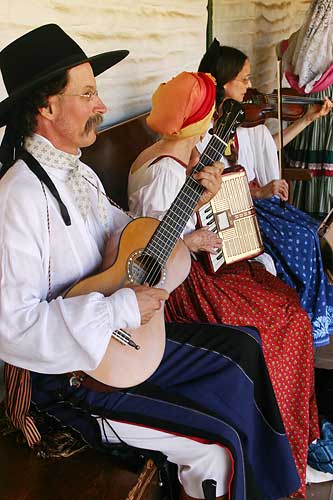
[(320, 455)]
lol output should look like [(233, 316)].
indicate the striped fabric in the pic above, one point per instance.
[(313, 149), (18, 399)]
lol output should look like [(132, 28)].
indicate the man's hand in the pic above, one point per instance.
[(149, 300), (203, 240), (210, 178)]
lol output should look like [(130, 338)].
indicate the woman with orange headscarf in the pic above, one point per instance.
[(239, 294)]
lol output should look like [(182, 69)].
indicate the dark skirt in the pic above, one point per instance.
[(212, 384)]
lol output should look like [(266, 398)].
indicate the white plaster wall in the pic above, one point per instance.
[(255, 27), (164, 38)]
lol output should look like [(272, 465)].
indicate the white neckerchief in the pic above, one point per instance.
[(78, 174)]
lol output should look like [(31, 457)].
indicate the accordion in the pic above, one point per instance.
[(231, 214)]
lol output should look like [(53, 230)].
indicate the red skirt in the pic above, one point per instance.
[(245, 294)]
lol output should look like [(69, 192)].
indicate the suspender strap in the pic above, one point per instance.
[(42, 175)]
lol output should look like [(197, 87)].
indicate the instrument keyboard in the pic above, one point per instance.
[(231, 214)]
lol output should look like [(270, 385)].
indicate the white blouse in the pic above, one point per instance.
[(153, 187), (257, 153), (63, 334)]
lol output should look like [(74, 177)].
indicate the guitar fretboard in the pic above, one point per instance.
[(176, 218)]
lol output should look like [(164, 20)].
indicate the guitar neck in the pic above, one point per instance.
[(176, 218)]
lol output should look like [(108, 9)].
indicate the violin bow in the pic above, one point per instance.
[(280, 128)]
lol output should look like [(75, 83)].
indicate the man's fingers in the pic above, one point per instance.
[(160, 293)]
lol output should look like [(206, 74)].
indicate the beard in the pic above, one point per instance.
[(92, 123)]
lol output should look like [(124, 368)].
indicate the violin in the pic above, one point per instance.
[(259, 106)]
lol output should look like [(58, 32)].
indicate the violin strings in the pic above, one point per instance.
[(292, 100)]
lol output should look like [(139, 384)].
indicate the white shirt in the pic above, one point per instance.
[(257, 153), (153, 187), (66, 333)]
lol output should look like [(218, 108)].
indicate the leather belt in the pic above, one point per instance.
[(79, 378)]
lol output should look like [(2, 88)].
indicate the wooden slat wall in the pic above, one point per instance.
[(164, 38), (255, 27)]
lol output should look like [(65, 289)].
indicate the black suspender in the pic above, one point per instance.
[(42, 175)]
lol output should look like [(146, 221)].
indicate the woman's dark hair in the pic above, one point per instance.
[(224, 63)]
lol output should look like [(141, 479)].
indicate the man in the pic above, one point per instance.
[(211, 389)]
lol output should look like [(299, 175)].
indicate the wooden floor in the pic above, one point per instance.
[(86, 476), (319, 491)]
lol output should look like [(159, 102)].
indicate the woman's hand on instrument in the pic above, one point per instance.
[(149, 300), (316, 111), (203, 240), (210, 178), (278, 187)]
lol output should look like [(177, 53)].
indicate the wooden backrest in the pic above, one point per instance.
[(114, 151)]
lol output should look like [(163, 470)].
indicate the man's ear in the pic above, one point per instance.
[(48, 111)]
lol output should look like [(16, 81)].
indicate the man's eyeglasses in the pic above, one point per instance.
[(89, 95)]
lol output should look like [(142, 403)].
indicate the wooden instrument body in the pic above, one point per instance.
[(122, 365), (258, 106)]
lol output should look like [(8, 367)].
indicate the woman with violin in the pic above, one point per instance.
[(290, 235)]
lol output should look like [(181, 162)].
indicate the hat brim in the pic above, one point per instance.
[(99, 64)]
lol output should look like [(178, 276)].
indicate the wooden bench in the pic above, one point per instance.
[(295, 174), (89, 475), (113, 153)]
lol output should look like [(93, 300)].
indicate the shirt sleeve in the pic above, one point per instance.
[(266, 165), (163, 181), (53, 336), (63, 334)]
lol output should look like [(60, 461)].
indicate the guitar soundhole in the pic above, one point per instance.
[(144, 269)]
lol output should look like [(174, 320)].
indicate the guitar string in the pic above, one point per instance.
[(218, 151), (155, 269), (154, 272)]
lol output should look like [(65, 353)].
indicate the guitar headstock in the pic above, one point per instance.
[(231, 116)]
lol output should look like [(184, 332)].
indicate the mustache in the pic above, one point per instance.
[(93, 122)]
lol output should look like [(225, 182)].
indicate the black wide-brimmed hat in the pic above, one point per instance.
[(40, 55)]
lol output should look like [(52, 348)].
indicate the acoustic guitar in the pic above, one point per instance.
[(150, 251)]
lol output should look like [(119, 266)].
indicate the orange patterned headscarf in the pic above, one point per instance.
[(184, 106)]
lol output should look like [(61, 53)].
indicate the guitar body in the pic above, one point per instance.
[(123, 365)]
